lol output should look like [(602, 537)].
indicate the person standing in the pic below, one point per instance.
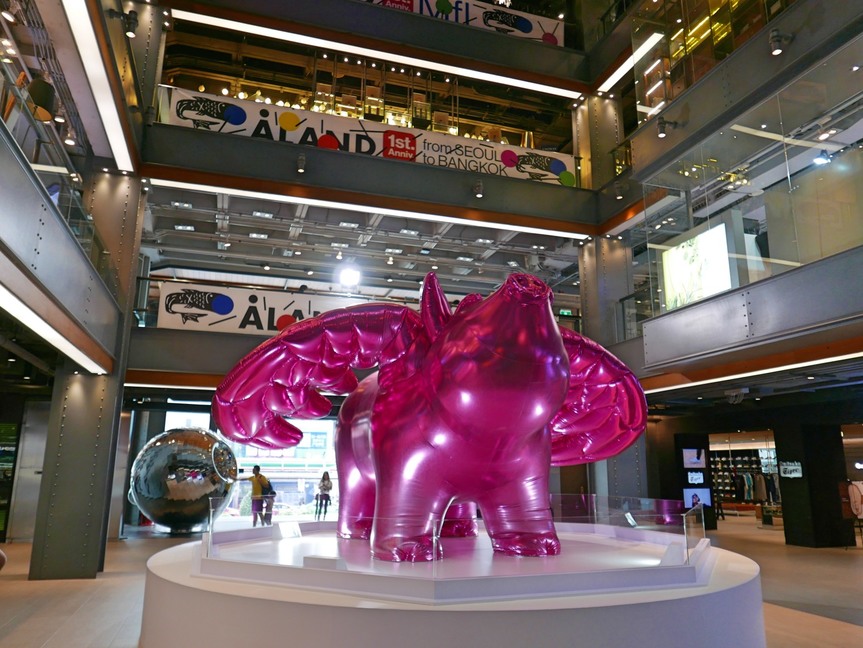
[(259, 484), (322, 499)]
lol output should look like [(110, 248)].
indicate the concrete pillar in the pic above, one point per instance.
[(605, 270)]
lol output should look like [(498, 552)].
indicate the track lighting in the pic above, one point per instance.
[(662, 126), (70, 140), (301, 163), (777, 41), (477, 188), (130, 20)]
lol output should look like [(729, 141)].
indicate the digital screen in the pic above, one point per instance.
[(696, 268), (695, 496), (694, 458)]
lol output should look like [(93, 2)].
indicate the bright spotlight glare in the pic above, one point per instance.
[(349, 277)]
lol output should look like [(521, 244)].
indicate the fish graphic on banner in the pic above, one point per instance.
[(189, 299)]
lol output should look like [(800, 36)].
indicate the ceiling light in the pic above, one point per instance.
[(393, 251), (258, 235), (465, 259), (69, 140), (9, 16), (91, 55), (390, 261), (266, 267), (310, 41), (181, 205), (409, 232), (484, 241), (184, 228), (777, 41), (310, 272), (301, 163), (349, 225), (339, 245), (389, 279), (512, 264), (434, 267), (339, 255), (29, 318), (822, 158), (618, 194), (425, 251), (477, 188), (262, 214), (630, 62), (349, 277)]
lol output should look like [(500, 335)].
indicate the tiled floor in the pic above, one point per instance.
[(812, 597)]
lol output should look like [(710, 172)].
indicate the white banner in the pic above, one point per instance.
[(196, 307), (286, 124), (485, 15)]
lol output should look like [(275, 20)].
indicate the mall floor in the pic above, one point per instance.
[(812, 597)]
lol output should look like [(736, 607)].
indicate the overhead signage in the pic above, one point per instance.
[(790, 469), (194, 307), (485, 15), (285, 124)]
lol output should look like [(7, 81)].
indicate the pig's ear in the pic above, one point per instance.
[(434, 307)]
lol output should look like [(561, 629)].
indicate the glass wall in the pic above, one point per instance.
[(776, 189)]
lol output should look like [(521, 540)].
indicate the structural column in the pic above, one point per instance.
[(75, 498)]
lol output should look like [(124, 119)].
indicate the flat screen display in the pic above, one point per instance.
[(694, 458), (696, 268), (695, 496)]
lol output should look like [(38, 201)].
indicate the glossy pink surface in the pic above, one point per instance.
[(467, 409)]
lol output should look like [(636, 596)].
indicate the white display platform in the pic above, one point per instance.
[(288, 586)]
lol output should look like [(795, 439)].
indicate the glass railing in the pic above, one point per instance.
[(41, 145), (668, 533)]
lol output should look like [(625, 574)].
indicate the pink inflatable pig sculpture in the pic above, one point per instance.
[(467, 408)]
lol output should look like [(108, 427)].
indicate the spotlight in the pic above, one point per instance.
[(301, 163), (9, 14), (390, 261), (618, 194), (822, 158), (349, 277), (662, 125), (477, 188), (130, 20), (70, 137), (777, 41)]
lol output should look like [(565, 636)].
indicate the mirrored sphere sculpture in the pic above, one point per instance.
[(177, 472)]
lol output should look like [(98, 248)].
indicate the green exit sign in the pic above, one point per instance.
[(565, 311)]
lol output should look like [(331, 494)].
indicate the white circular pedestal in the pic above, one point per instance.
[(721, 607)]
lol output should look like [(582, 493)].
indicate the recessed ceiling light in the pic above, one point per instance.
[(466, 259), (184, 228), (349, 225), (484, 241), (512, 264), (409, 232), (393, 251), (425, 251), (339, 245), (262, 214), (258, 235), (181, 205)]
